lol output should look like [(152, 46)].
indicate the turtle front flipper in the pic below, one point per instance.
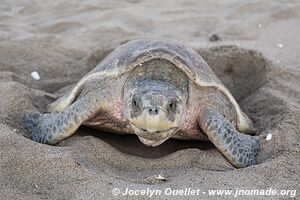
[(53, 127), (241, 150)]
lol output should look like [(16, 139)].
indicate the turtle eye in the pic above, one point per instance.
[(172, 105), (135, 103)]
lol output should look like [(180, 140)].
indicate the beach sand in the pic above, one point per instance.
[(257, 58)]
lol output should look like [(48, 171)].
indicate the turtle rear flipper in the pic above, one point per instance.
[(240, 149)]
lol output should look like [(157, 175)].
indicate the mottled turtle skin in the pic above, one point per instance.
[(156, 90)]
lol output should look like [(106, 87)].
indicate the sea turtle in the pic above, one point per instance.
[(157, 90)]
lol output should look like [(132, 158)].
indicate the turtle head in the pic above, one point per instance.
[(155, 110)]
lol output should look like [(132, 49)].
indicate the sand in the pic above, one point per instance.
[(257, 58)]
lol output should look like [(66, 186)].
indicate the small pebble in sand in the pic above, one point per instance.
[(259, 25), (214, 37), (269, 136), (161, 178), (35, 75), (280, 45)]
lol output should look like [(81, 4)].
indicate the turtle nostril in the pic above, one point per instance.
[(153, 111)]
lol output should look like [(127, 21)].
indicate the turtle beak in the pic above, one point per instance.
[(156, 138), (153, 127), (152, 143), (153, 120)]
